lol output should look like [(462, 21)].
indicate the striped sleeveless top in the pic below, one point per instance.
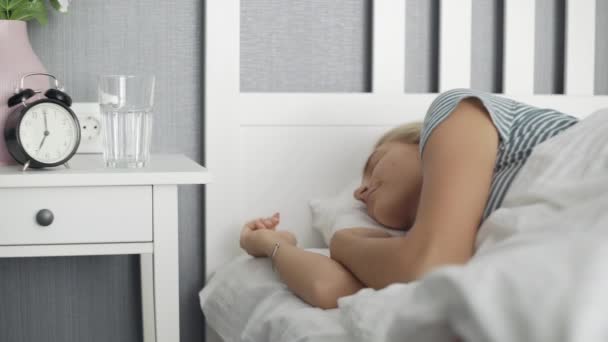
[(520, 127)]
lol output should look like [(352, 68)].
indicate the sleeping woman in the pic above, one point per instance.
[(439, 180)]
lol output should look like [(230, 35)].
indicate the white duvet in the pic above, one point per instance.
[(541, 268)]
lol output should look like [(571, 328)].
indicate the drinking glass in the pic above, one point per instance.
[(126, 103)]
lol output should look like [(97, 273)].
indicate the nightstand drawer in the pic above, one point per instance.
[(75, 215)]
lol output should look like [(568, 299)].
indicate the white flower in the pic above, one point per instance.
[(63, 5)]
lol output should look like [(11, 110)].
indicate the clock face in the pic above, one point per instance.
[(48, 133)]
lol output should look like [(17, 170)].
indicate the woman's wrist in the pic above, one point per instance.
[(268, 241)]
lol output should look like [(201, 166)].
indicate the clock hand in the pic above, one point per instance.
[(46, 126), (46, 131), (46, 134)]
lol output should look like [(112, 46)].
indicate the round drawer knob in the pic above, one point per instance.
[(45, 217)]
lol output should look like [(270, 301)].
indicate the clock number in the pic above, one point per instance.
[(35, 115)]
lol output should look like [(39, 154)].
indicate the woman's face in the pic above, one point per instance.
[(391, 184)]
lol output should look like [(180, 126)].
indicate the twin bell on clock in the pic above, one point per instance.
[(41, 132)]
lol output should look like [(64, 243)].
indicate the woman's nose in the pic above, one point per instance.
[(361, 193)]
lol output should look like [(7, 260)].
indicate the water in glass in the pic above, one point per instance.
[(126, 103), (127, 136)]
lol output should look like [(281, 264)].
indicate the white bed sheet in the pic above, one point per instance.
[(246, 301)]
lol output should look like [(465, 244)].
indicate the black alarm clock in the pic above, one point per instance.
[(45, 132)]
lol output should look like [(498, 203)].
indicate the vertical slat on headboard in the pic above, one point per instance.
[(222, 130), (519, 47), (580, 47), (388, 33), (455, 44)]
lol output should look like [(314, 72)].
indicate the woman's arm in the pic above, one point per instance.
[(375, 261), (458, 164), (315, 278), (366, 232)]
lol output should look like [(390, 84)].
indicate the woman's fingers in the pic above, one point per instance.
[(259, 224), (274, 220), (265, 223), (270, 222), (250, 225), (254, 225)]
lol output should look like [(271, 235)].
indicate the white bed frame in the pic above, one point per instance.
[(275, 151)]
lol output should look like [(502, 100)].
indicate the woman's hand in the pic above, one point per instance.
[(259, 236)]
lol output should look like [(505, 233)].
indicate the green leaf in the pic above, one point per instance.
[(30, 10), (12, 4), (4, 13)]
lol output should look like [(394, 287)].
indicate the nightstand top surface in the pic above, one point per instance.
[(89, 170)]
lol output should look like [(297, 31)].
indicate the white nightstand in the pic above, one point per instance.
[(101, 211)]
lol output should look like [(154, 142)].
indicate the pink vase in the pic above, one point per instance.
[(16, 59)]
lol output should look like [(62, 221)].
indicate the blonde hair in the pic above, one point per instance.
[(408, 133)]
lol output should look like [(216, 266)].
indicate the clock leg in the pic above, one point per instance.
[(25, 166), (67, 165)]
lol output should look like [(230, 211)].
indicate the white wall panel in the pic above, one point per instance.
[(388, 34), (518, 72), (455, 44), (580, 47)]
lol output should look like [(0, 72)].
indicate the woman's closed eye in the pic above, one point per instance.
[(372, 161), (367, 169)]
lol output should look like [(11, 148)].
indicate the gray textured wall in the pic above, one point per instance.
[(323, 46), (287, 45), (97, 299), (306, 46)]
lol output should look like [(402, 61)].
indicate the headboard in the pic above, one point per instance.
[(275, 151)]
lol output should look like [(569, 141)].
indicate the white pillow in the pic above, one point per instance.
[(343, 211)]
